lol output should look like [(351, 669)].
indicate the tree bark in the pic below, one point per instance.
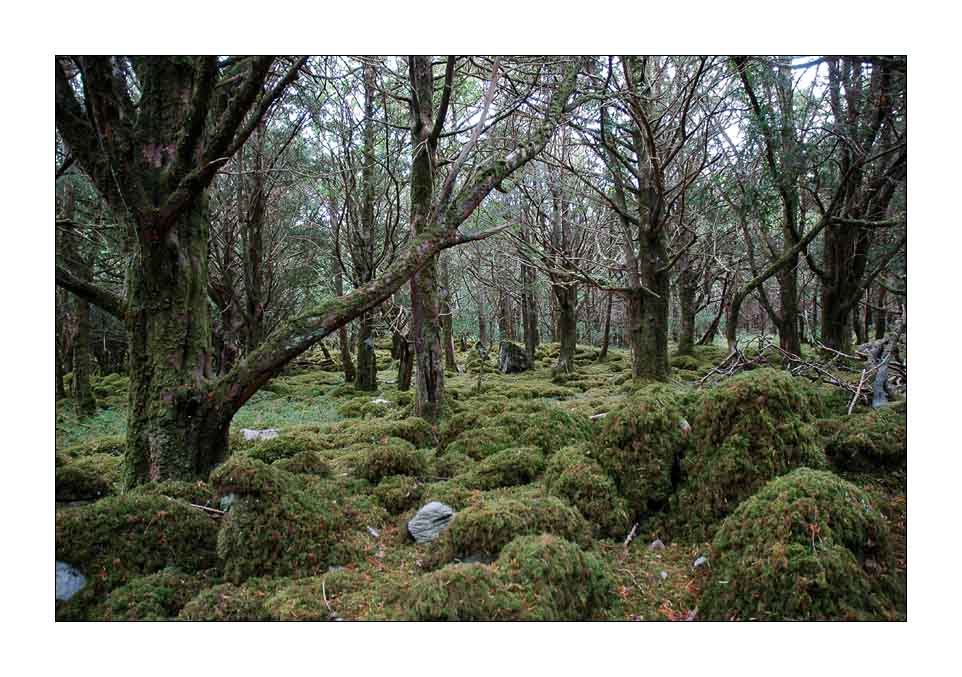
[(347, 363), (447, 319), (687, 288), (606, 334), (566, 295)]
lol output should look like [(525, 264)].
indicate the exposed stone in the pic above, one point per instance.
[(251, 434), (656, 545), (700, 562), (69, 581), (430, 521), (513, 359)]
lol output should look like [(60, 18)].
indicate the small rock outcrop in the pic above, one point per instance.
[(513, 359), (69, 581), (430, 521)]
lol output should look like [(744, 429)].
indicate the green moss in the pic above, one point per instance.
[(198, 493), (88, 477), (304, 463), (120, 538), (452, 463), (229, 602), (106, 444), (573, 475), (640, 443), (478, 443), (157, 597), (304, 599), (876, 440), (754, 427), (286, 445), (364, 407), (482, 530), (808, 546), (555, 579), (508, 467), (392, 456), (461, 592), (450, 492), (414, 429), (398, 493), (277, 525), (687, 363)]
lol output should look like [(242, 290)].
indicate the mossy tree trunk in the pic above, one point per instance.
[(447, 318), (566, 295), (687, 289), (347, 363), (606, 332)]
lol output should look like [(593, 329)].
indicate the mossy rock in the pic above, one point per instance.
[(808, 546), (304, 463), (392, 456), (156, 597), (277, 525), (413, 429), (198, 493), (453, 463), (640, 444), (687, 363), (461, 592), (120, 538), (752, 428), (573, 475), (481, 530), (874, 441), (304, 599), (398, 493), (505, 468), (88, 477), (286, 445), (555, 579), (364, 407), (450, 492), (230, 602), (478, 443), (105, 444)]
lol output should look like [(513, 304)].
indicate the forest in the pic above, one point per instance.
[(481, 338)]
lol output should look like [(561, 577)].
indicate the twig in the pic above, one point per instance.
[(858, 390), (631, 536), (213, 511)]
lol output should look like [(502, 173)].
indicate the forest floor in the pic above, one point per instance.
[(316, 411)]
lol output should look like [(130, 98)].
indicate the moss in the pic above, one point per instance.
[(398, 493), (304, 463), (414, 429), (481, 530), (304, 599), (106, 444), (450, 492), (508, 467), (549, 428), (479, 443), (808, 546), (754, 427), (198, 493), (120, 538), (573, 475), (364, 407), (286, 445), (157, 597), (88, 477), (687, 363), (277, 525), (555, 579), (229, 602), (452, 463), (640, 443), (876, 440), (392, 456), (461, 592)]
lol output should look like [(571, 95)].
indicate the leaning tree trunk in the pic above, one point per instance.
[(174, 432), (567, 297)]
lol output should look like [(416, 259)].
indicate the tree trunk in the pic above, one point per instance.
[(529, 313), (405, 363), (174, 432), (366, 377), (606, 335), (687, 288), (882, 315), (648, 322), (447, 321), (567, 297), (346, 362)]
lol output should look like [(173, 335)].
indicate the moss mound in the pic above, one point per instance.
[(107, 444), (573, 475), (277, 524), (287, 445), (89, 477), (303, 599), (481, 442), (505, 468), (229, 602), (198, 493), (555, 579), (808, 546), (641, 442), (157, 597), (398, 493), (754, 427), (364, 407), (393, 456), (414, 429), (877, 440), (304, 463), (461, 592), (547, 427), (120, 538), (687, 363), (452, 463), (482, 529)]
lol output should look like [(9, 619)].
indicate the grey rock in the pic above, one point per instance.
[(430, 521), (513, 359), (664, 575), (69, 581), (656, 545), (251, 434), (478, 559), (227, 501), (374, 532), (700, 562)]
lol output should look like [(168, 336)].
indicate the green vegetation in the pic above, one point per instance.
[(573, 475), (391, 456), (505, 468), (876, 440)]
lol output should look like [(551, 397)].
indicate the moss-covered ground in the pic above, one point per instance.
[(548, 477)]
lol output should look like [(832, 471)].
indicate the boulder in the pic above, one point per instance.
[(250, 434), (430, 521), (513, 359), (69, 581)]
